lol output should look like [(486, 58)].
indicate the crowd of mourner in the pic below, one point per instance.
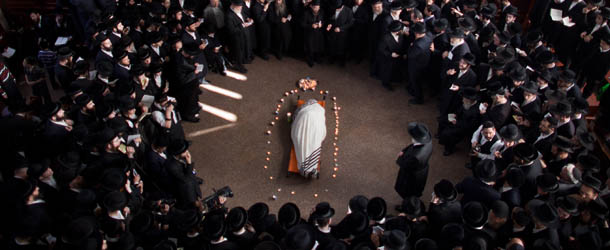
[(107, 166)]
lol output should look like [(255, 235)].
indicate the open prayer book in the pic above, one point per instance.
[(557, 15)]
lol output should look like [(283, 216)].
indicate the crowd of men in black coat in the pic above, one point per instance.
[(74, 171)]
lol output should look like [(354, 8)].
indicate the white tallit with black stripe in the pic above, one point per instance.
[(308, 133)]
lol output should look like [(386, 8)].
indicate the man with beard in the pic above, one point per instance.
[(418, 57), (378, 26), (63, 68), (114, 152), (116, 30), (337, 28), (122, 67), (455, 127), (463, 77), (312, 22), (84, 112), (413, 162), (236, 24), (158, 51), (263, 30), (458, 49), (389, 52), (105, 52), (485, 143), (57, 130), (213, 14), (181, 169)]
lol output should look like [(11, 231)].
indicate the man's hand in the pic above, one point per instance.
[(266, 6), (400, 154), (328, 27), (432, 47), (187, 157), (445, 54), (450, 72), (395, 55), (196, 68), (337, 29), (284, 19), (131, 151)]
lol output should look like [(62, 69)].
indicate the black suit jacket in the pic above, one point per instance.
[(413, 171), (475, 190), (386, 64)]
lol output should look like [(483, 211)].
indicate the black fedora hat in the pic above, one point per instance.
[(556, 95), (579, 104), (533, 37), (413, 206), (547, 183), (441, 23), (425, 244), (469, 93), (495, 88), (530, 87), (515, 28), (177, 147), (188, 220), (324, 210), (457, 33), (474, 214), (141, 222), (358, 203), (568, 204), (395, 26), (113, 179), (512, 10), (408, 4), (289, 215), (376, 208), (586, 139), (105, 136), (544, 75), (598, 209), (543, 212), (395, 5), (267, 245), (396, 239), (35, 170), (588, 162), (419, 28), (119, 54), (592, 182), (155, 37), (500, 209), (567, 76), (69, 160), (64, 52), (24, 188), (469, 59), (419, 132), (562, 108), (80, 68), (258, 212), (564, 144), (214, 226), (337, 4), (445, 190), (605, 13), (518, 73), (78, 231), (51, 109), (498, 63), (143, 54), (236, 219), (510, 132), (485, 170), (526, 151), (452, 235), (104, 68), (353, 224), (546, 57), (192, 49), (115, 200), (488, 12), (503, 37), (514, 176), (82, 100), (467, 23), (299, 237)]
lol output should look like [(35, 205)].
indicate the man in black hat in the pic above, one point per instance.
[(444, 207), (480, 187), (57, 129), (122, 67), (545, 220), (413, 162), (567, 84), (510, 135), (263, 29), (105, 52), (389, 52), (562, 111), (544, 136), (312, 23), (596, 64), (180, 168), (528, 113), (337, 27), (236, 23), (458, 48), (527, 159), (238, 232), (357, 37), (378, 24), (418, 58), (191, 68), (456, 78), (63, 68), (456, 126)]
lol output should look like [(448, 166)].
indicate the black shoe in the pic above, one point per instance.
[(242, 69), (310, 63), (399, 208), (192, 119), (416, 101), (389, 87), (468, 165), (264, 57), (223, 73)]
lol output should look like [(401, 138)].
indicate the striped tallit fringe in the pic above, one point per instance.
[(309, 167)]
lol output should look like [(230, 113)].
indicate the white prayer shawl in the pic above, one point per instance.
[(307, 133)]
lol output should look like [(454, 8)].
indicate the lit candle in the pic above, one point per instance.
[(270, 177), (265, 167), (268, 132), (277, 112), (335, 169), (274, 197), (292, 92), (268, 142), (286, 93), (288, 114), (335, 159), (277, 118), (279, 190), (334, 176), (326, 92), (267, 159), (321, 92), (296, 90), (315, 195), (282, 100), (334, 98), (336, 138), (336, 148), (292, 192), (334, 144), (268, 153), (279, 106), (272, 123), (335, 153)]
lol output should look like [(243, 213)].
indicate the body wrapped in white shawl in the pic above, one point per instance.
[(308, 132)]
